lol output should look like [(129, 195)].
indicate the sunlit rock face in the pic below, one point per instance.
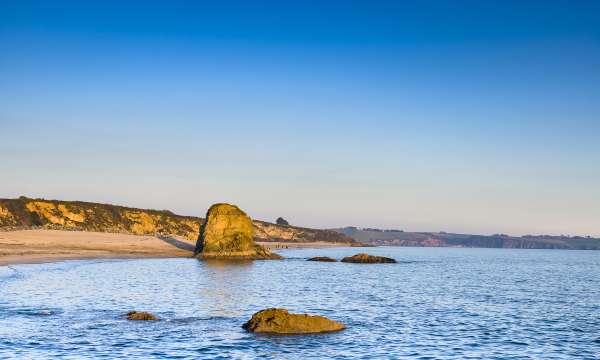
[(280, 321), (227, 233)]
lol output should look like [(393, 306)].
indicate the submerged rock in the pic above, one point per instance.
[(322, 258), (141, 315), (363, 258), (280, 321), (227, 233)]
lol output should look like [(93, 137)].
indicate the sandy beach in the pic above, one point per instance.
[(34, 246)]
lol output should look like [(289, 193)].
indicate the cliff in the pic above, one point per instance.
[(77, 215), (267, 232)]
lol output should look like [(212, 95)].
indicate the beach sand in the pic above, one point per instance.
[(35, 246), (38, 246)]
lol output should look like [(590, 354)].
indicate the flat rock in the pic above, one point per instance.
[(322, 258), (140, 315), (227, 233), (280, 321), (363, 258)]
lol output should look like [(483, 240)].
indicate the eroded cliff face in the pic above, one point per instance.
[(52, 214), (75, 215)]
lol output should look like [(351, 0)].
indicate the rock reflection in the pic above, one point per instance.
[(225, 286)]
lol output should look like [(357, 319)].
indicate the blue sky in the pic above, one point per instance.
[(465, 116)]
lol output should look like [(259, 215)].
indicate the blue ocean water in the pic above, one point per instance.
[(436, 303)]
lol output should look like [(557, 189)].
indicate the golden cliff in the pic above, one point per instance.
[(76, 215)]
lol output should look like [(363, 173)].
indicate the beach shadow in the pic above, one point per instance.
[(177, 243)]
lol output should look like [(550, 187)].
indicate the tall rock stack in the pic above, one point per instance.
[(227, 233)]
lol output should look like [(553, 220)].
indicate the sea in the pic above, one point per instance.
[(435, 303)]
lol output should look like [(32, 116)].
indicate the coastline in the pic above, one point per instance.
[(43, 246)]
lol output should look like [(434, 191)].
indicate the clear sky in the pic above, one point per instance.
[(463, 116)]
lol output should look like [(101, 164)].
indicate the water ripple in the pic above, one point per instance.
[(434, 304)]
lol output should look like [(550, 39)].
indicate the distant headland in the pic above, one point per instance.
[(395, 237)]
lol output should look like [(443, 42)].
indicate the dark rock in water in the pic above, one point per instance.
[(363, 258), (141, 315), (280, 321), (34, 312), (227, 233), (281, 221), (322, 258)]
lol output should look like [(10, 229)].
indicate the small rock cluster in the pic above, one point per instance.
[(361, 258)]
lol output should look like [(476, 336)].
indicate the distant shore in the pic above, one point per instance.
[(300, 245), (41, 246)]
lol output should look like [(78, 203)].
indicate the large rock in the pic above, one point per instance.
[(227, 233), (363, 258), (280, 321)]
